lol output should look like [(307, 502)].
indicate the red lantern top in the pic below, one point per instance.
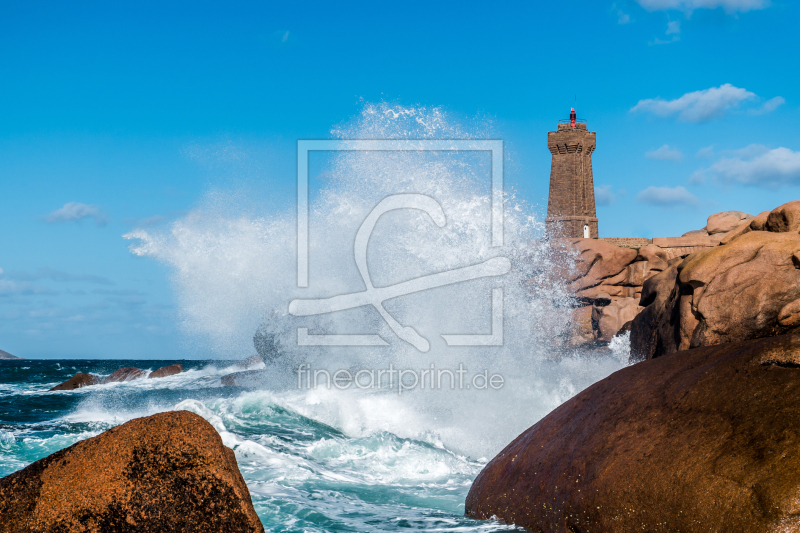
[(572, 117)]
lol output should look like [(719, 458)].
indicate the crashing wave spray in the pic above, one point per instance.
[(233, 269)]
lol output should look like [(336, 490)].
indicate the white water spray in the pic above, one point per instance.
[(233, 269)]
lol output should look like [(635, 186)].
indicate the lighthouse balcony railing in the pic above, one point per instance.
[(568, 121)]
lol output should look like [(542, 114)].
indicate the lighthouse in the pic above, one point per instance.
[(571, 211)]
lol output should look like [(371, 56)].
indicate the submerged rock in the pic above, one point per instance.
[(165, 371), (251, 362), (167, 472), (77, 381), (704, 440), (246, 378), (266, 343)]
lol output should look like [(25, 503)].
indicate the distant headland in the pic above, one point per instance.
[(6, 355)]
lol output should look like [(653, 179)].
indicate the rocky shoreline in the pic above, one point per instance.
[(699, 436), (701, 440)]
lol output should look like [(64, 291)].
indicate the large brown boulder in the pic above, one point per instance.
[(651, 330), (77, 381), (598, 262), (745, 289), (785, 218), (655, 256), (612, 317), (165, 371), (702, 441), (725, 221), (163, 473)]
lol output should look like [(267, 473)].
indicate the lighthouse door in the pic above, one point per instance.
[(586, 231)]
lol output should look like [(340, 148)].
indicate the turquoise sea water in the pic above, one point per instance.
[(303, 475)]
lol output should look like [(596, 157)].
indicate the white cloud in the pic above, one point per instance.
[(667, 196), (76, 211), (697, 106), (756, 165), (622, 17), (603, 195), (769, 106), (705, 153), (8, 287), (675, 39), (665, 152), (687, 6), (673, 27)]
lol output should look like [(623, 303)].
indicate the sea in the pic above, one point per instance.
[(315, 460), (318, 457)]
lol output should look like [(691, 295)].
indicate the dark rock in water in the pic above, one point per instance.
[(165, 371), (703, 440), (253, 360), (128, 373), (247, 379), (6, 355), (266, 344), (167, 472), (77, 381)]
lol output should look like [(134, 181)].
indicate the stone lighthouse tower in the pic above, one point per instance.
[(570, 206)]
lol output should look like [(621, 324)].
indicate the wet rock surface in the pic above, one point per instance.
[(77, 381), (167, 472), (128, 373), (703, 440), (165, 371)]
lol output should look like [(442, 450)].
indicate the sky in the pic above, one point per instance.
[(123, 115)]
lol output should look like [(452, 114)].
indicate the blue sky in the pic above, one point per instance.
[(114, 116)]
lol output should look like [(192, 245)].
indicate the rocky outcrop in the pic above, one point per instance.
[(725, 221), (128, 373), (785, 218), (254, 361), (165, 371), (8, 356), (606, 282), (608, 273), (612, 317), (749, 287), (77, 381), (167, 472), (705, 440)]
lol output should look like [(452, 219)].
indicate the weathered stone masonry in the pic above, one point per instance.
[(571, 204)]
